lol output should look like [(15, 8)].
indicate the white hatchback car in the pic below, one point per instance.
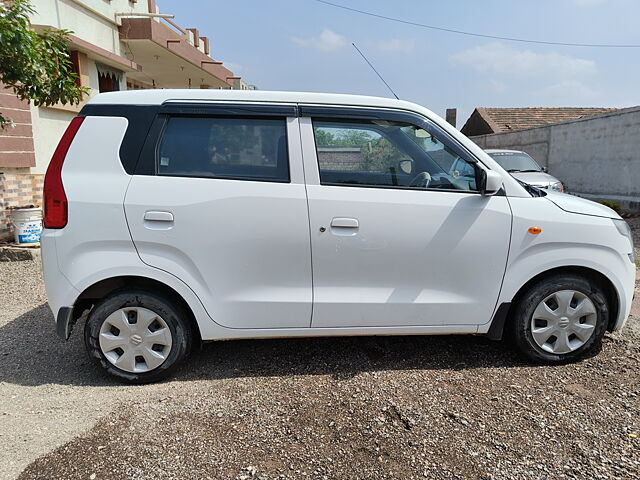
[(174, 216)]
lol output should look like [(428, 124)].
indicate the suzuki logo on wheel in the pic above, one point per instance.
[(135, 339)]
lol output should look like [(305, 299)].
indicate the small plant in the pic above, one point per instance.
[(615, 206)]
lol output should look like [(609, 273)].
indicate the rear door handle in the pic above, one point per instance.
[(154, 216), (342, 222)]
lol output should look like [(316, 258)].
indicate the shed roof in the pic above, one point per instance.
[(486, 120)]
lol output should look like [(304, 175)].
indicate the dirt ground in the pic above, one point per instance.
[(338, 408)]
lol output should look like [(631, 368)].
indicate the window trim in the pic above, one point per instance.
[(336, 114), (161, 126), (215, 109)]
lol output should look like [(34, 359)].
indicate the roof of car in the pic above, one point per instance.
[(159, 96)]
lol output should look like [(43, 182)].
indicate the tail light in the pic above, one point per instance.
[(54, 198)]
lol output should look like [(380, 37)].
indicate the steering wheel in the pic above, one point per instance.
[(420, 180)]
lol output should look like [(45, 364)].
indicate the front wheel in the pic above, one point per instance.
[(137, 336), (561, 319)]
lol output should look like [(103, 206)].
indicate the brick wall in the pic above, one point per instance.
[(18, 187), (340, 158), (16, 140), (17, 190)]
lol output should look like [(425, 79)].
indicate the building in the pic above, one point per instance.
[(485, 121), (115, 45)]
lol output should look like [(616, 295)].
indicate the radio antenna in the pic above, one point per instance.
[(374, 69)]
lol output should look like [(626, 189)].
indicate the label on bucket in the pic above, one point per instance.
[(30, 233)]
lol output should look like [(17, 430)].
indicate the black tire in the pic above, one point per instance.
[(524, 309), (172, 314)]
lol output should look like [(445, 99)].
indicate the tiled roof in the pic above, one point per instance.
[(509, 119)]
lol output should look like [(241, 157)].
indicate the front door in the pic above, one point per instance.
[(226, 212), (398, 239)]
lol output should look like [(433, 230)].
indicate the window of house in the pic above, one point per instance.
[(134, 85), (227, 148), (74, 57), (108, 78), (386, 154)]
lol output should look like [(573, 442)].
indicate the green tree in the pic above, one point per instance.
[(383, 156), (324, 138), (36, 66), (348, 138)]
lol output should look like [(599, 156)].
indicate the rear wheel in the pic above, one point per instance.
[(561, 319), (138, 336)]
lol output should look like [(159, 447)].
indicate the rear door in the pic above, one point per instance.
[(399, 236), (219, 201)]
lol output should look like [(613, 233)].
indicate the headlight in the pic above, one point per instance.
[(557, 186), (625, 230)]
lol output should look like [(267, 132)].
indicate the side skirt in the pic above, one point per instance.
[(217, 333)]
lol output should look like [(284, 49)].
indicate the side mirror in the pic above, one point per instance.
[(406, 166), (489, 182), (544, 169)]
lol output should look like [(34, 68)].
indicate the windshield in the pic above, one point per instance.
[(515, 161)]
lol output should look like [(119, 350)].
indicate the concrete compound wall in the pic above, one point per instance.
[(596, 157)]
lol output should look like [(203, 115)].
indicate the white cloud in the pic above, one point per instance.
[(328, 41), (396, 45), (573, 90), (506, 61)]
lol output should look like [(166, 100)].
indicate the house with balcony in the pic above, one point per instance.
[(115, 45)]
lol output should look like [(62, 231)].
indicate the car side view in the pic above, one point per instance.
[(179, 216)]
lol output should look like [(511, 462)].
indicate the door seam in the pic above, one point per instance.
[(304, 175), (506, 266)]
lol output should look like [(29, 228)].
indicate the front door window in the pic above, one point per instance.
[(386, 154)]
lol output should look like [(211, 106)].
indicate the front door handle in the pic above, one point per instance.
[(155, 216), (342, 222)]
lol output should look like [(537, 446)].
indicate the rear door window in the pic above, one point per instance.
[(224, 147)]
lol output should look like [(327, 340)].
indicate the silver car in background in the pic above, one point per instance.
[(526, 169)]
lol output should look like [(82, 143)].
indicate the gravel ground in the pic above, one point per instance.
[(343, 408)]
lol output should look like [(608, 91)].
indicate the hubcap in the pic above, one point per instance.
[(135, 339), (564, 321)]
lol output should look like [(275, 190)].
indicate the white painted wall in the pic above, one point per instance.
[(48, 127), (90, 20)]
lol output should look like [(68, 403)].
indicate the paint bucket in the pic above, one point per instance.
[(27, 224)]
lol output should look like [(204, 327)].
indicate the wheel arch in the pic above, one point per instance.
[(504, 312), (107, 286)]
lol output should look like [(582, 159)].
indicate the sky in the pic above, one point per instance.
[(304, 45)]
